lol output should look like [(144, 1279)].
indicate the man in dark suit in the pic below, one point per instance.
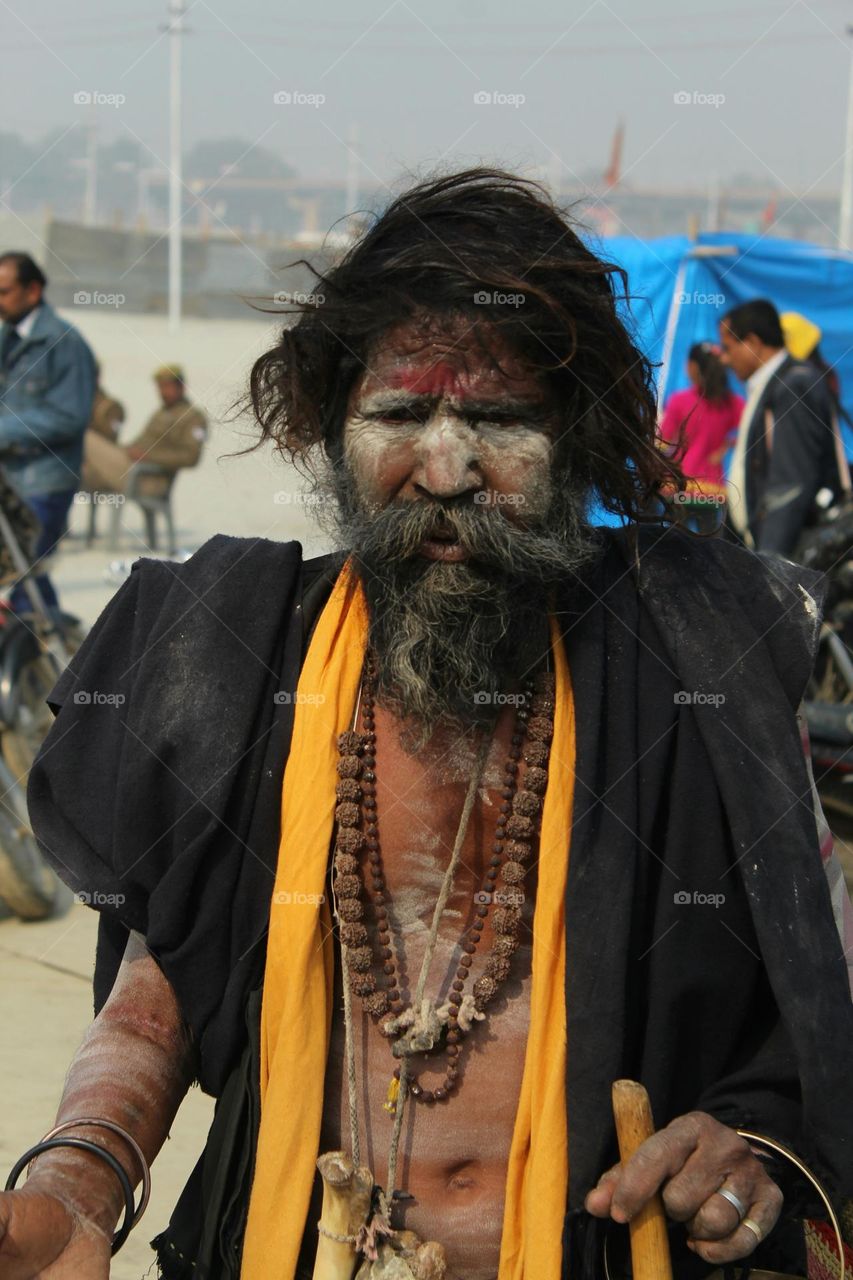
[(786, 451)]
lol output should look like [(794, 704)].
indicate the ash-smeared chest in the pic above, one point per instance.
[(420, 800)]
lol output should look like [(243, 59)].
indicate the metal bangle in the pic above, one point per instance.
[(131, 1142), (83, 1144), (770, 1144)]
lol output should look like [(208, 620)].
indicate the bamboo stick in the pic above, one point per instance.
[(634, 1124)]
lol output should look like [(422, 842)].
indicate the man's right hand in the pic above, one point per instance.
[(42, 1236)]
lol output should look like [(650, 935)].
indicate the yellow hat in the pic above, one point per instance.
[(169, 373), (801, 335)]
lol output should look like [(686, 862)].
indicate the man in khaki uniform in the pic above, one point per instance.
[(172, 438)]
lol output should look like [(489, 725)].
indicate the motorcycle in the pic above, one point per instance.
[(829, 699), (34, 650)]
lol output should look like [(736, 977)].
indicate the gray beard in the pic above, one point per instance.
[(451, 640)]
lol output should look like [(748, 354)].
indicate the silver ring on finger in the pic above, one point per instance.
[(752, 1225), (735, 1201)]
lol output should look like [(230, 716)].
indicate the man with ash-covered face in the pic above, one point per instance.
[(409, 851)]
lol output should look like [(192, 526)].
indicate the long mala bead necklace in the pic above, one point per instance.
[(420, 1028)]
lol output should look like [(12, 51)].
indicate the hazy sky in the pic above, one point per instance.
[(766, 83)]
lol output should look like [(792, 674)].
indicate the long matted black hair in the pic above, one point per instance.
[(463, 244)]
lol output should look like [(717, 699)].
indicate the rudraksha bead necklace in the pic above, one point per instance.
[(515, 835)]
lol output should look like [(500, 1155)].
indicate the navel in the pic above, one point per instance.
[(465, 1177)]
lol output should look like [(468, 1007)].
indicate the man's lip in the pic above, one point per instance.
[(438, 549)]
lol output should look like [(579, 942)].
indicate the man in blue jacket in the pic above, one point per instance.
[(47, 385)]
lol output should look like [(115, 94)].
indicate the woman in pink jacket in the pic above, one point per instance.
[(704, 418)]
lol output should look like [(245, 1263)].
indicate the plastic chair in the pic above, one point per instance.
[(152, 505)]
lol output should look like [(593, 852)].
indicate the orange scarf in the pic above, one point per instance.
[(298, 983)]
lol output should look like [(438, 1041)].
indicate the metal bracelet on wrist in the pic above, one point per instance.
[(84, 1144), (99, 1123)]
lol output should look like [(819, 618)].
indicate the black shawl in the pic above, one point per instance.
[(688, 659)]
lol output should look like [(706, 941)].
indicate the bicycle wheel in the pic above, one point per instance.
[(27, 885)]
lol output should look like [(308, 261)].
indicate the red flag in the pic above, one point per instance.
[(614, 170), (768, 216)]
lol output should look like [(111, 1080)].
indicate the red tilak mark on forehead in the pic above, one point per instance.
[(440, 379)]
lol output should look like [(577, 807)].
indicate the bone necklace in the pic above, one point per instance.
[(356, 1214)]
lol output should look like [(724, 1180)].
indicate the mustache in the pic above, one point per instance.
[(394, 534)]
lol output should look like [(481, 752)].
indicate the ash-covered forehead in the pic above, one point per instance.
[(458, 360)]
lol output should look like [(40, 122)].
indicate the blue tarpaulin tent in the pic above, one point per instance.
[(679, 289)]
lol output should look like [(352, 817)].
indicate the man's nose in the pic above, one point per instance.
[(446, 459)]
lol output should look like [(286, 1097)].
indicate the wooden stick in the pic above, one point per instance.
[(649, 1243), (346, 1205)]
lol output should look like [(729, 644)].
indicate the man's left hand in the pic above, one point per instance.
[(688, 1162)]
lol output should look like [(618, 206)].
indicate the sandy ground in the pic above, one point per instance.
[(45, 996)]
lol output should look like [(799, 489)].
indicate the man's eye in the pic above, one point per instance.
[(401, 415), (498, 420)]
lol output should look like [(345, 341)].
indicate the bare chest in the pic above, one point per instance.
[(454, 1151)]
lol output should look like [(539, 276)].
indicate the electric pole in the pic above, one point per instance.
[(845, 213), (176, 29), (352, 171), (90, 202)]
